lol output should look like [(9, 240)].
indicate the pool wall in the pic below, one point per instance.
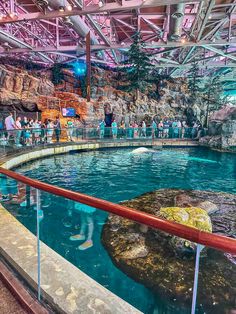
[(63, 285)]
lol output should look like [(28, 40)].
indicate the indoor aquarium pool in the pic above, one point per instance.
[(118, 175)]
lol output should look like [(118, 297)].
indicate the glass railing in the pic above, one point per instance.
[(33, 137), (156, 265)]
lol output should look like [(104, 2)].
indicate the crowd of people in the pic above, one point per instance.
[(27, 132), (32, 131), (166, 128)]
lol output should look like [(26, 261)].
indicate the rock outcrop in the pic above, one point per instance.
[(149, 256), (19, 89), (23, 90), (222, 129)]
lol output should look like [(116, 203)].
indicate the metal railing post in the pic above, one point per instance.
[(196, 272), (39, 217)]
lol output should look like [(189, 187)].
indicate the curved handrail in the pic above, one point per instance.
[(212, 240)]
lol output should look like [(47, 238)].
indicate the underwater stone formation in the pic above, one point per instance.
[(149, 256)]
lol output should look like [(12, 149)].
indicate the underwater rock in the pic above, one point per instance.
[(149, 256)]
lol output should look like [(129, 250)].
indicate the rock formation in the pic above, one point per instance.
[(152, 257), (222, 129), (19, 90), (23, 90)]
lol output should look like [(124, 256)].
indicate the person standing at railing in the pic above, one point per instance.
[(154, 128), (143, 129), (160, 129), (23, 122), (101, 129), (194, 130), (18, 131), (114, 129), (10, 126), (175, 129), (50, 129), (122, 129), (184, 129), (77, 128), (135, 128), (69, 126), (166, 126), (36, 130), (130, 130), (57, 127)]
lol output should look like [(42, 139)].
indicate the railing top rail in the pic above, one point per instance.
[(211, 240)]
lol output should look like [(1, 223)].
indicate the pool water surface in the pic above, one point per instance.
[(117, 175)]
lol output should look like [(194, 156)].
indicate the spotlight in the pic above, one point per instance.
[(61, 9), (12, 15), (69, 7), (122, 44), (183, 40), (100, 4), (210, 17), (152, 42)]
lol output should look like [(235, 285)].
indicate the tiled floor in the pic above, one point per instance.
[(8, 304)]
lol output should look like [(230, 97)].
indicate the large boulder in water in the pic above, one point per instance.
[(193, 217), (148, 256)]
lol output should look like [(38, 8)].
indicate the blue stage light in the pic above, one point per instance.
[(79, 68)]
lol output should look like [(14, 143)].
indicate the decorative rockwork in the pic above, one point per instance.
[(153, 258)]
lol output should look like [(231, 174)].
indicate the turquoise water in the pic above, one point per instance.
[(118, 175)]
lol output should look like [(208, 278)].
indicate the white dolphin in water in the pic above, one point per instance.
[(142, 150)]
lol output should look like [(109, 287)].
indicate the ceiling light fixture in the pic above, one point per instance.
[(183, 40), (69, 7), (12, 15)]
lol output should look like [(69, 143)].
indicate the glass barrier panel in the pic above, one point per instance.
[(150, 269), (216, 282), (13, 140), (147, 268)]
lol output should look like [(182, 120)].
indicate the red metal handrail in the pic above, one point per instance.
[(212, 240)]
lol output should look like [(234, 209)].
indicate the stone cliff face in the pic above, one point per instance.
[(107, 94), (222, 129), (22, 90), (19, 90)]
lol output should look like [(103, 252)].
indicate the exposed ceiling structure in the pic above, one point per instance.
[(49, 31)]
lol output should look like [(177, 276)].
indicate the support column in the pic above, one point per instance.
[(88, 63)]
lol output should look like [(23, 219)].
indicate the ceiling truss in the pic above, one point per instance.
[(176, 33)]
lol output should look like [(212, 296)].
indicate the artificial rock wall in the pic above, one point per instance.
[(23, 90)]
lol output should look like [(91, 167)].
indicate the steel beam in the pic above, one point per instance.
[(205, 19), (92, 9), (219, 52), (121, 47)]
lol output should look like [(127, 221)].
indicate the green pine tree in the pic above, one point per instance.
[(57, 73), (194, 82), (138, 66), (213, 96)]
